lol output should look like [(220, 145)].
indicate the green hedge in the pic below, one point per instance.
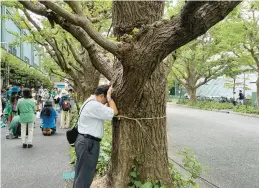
[(246, 109), (210, 105), (23, 69)]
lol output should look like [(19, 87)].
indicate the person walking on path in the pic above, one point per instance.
[(91, 129), (11, 108), (49, 119), (241, 97), (65, 108), (26, 109)]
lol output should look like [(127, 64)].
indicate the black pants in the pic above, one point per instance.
[(87, 153)]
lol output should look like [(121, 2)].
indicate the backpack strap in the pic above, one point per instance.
[(82, 110)]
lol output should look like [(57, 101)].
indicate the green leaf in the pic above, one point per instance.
[(137, 183), (146, 185), (133, 174)]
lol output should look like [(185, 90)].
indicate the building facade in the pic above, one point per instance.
[(25, 51)]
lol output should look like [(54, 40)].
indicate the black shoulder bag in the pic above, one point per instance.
[(73, 132)]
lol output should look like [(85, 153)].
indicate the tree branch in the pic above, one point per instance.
[(76, 6), (97, 59), (75, 67), (182, 74), (75, 54), (33, 34), (35, 7), (179, 80), (58, 60), (53, 72), (101, 65), (180, 30), (83, 22)]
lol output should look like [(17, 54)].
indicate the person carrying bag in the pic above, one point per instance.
[(72, 133), (90, 127)]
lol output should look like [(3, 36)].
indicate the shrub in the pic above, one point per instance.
[(246, 109), (179, 180), (208, 105), (105, 150)]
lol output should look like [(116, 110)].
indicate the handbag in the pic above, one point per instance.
[(72, 133)]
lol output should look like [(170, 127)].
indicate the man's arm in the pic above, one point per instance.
[(111, 101), (113, 106)]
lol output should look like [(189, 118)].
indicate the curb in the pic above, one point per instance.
[(245, 114), (221, 111)]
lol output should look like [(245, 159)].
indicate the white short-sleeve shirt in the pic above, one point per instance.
[(93, 114)]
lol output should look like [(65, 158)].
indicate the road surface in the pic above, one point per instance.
[(226, 143)]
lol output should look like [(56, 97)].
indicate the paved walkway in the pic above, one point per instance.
[(39, 167), (226, 143)]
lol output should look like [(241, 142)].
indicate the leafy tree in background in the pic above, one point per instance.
[(72, 59), (138, 73), (197, 63), (239, 34)]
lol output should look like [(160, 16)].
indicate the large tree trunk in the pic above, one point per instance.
[(192, 94), (144, 144), (257, 90)]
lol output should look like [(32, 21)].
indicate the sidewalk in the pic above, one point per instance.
[(41, 166)]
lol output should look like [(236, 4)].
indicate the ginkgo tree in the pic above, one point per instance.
[(239, 34), (199, 62), (72, 59), (138, 72)]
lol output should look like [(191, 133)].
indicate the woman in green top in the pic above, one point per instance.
[(27, 109)]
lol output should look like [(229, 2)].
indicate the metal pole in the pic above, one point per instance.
[(244, 86)]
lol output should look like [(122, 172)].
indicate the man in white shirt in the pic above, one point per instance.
[(91, 127)]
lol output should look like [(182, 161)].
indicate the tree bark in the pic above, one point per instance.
[(128, 15), (143, 145), (192, 94), (257, 92)]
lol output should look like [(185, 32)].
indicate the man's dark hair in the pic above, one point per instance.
[(240, 90), (102, 89), (26, 93)]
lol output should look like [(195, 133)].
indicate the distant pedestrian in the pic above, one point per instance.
[(235, 97), (45, 96), (11, 108), (26, 108), (3, 99), (40, 91), (33, 97), (241, 97), (49, 119), (65, 108)]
